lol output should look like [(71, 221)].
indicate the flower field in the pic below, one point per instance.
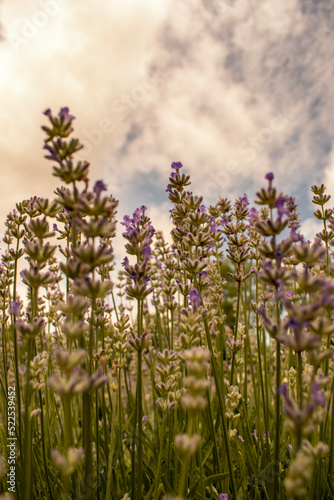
[(198, 370)]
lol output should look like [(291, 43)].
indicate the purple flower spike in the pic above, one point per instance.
[(176, 165), (223, 496), (194, 297), (14, 309), (294, 236), (255, 434), (47, 112), (262, 310), (99, 187), (53, 153), (244, 200), (147, 252), (284, 390), (279, 204), (269, 176), (253, 216), (127, 221), (125, 262), (64, 113), (317, 396)]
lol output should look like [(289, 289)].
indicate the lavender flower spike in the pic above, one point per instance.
[(99, 187), (64, 113), (15, 309), (176, 165), (279, 204), (194, 297)]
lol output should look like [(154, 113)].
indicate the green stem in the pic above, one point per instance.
[(162, 442), (16, 359), (213, 435), (331, 443), (277, 417), (43, 445), (120, 425), (87, 441), (67, 423), (201, 472), (110, 468), (235, 332), (221, 400), (260, 370), (140, 426), (27, 464), (300, 388), (87, 413), (133, 455), (182, 491), (69, 439), (97, 442)]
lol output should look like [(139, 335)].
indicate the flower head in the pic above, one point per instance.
[(279, 204), (194, 298), (64, 114), (317, 396), (99, 187), (15, 309), (176, 165)]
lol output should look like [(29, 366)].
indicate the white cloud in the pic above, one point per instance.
[(329, 177), (223, 75), (310, 227)]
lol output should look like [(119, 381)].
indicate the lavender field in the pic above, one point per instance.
[(197, 370)]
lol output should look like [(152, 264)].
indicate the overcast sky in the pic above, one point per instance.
[(233, 90)]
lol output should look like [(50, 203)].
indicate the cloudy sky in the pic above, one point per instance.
[(232, 89)]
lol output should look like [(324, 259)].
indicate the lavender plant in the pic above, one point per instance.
[(199, 370)]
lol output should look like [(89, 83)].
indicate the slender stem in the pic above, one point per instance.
[(157, 477), (260, 370), (171, 434), (97, 442), (87, 441), (67, 423), (16, 359), (27, 464), (331, 443), (183, 484), (133, 455), (300, 387), (213, 435), (235, 332), (140, 426), (110, 468), (43, 446), (172, 328), (114, 304), (328, 309), (277, 416), (201, 472), (120, 425), (182, 490), (87, 413), (222, 407)]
